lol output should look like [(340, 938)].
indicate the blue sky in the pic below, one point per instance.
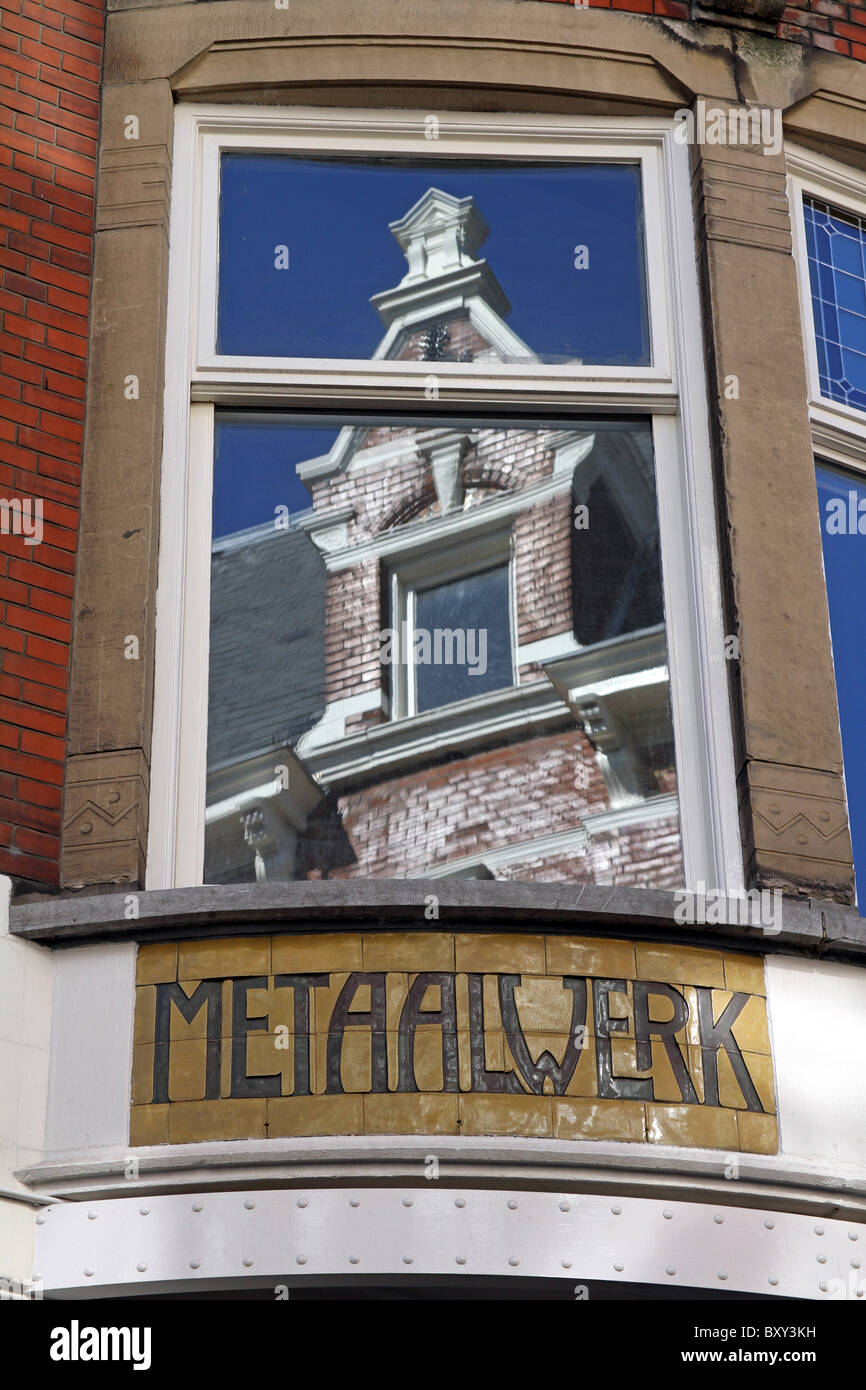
[(333, 216)]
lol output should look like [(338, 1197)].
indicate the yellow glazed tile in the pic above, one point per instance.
[(194, 1122), (142, 1074), (760, 1068), (179, 1029), (750, 1027), (156, 964), (311, 1115), (676, 965), (410, 1114), (545, 1006), (665, 1085), (317, 953), (619, 1006), (496, 1055), (599, 1119), (264, 1058), (187, 1063), (568, 955), (759, 1134), (528, 1116), (695, 1126), (148, 1124), (745, 973), (144, 1024), (582, 1079), (409, 951), (241, 955), (502, 953)]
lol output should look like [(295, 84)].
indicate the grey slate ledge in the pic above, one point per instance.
[(814, 927)]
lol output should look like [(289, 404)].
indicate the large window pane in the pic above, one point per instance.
[(350, 259), (842, 502), (332, 752)]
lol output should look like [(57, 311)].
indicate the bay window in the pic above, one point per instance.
[(438, 591)]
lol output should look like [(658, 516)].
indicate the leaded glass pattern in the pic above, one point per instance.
[(836, 245)]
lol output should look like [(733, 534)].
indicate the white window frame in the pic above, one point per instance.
[(672, 390), (838, 431)]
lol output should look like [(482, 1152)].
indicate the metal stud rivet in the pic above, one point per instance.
[(722, 1274), (196, 1206), (512, 1206), (823, 1287), (565, 1206), (354, 1259), (195, 1264), (619, 1267), (88, 1273), (300, 1259), (250, 1206), (354, 1202), (852, 1235), (566, 1264), (92, 1215), (246, 1262), (668, 1215), (40, 1220), (141, 1267), (513, 1260), (819, 1230), (822, 1259), (144, 1211), (407, 1259), (719, 1220), (616, 1211), (408, 1202), (670, 1270), (770, 1225), (461, 1259), (302, 1201), (460, 1202), (773, 1280), (855, 1264)]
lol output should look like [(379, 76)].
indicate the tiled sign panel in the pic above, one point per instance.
[(439, 1033)]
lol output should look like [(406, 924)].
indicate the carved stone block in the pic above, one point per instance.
[(105, 819)]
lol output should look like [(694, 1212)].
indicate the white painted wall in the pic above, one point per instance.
[(26, 973), (91, 1048), (818, 1032)]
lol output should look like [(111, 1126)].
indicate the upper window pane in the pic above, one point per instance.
[(836, 244), (339, 258)]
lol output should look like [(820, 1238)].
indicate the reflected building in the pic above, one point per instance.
[(453, 663)]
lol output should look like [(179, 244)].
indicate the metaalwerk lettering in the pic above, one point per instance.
[(527, 1075), (426, 1031)]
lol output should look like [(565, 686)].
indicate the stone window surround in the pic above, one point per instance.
[(151, 60)]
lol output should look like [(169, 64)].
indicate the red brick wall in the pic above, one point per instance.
[(822, 24), (50, 57)]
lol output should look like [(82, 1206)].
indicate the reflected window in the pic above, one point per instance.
[(836, 245)]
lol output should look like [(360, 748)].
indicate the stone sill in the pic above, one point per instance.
[(811, 926)]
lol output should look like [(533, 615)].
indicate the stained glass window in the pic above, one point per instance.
[(836, 244)]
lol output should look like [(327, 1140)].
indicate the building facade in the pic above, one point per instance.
[(433, 449)]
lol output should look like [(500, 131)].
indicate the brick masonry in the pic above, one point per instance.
[(824, 24), (50, 61)]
